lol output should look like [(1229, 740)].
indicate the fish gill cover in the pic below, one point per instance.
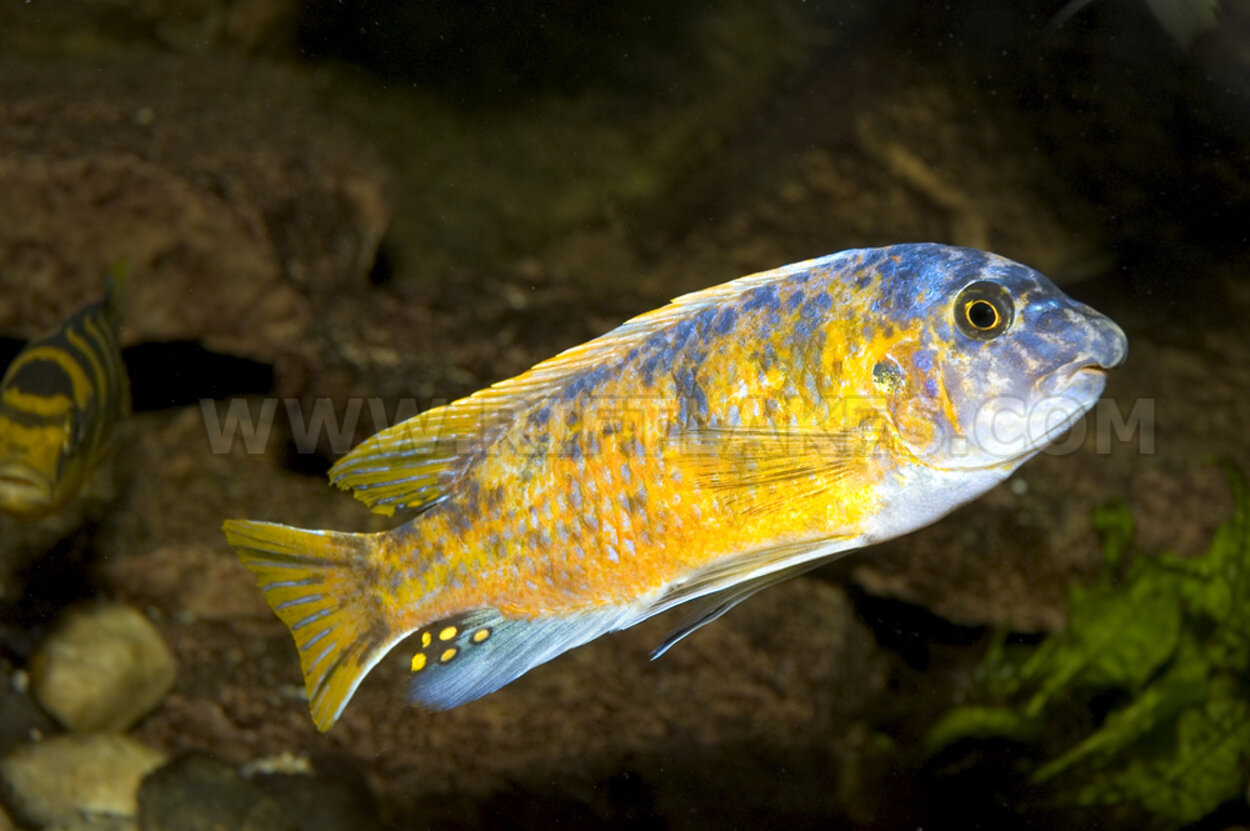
[(1155, 659)]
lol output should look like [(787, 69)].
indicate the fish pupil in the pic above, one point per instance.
[(984, 310), (982, 314)]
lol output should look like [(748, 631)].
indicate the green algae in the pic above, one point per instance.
[(1153, 665)]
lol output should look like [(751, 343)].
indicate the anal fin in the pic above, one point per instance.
[(458, 659)]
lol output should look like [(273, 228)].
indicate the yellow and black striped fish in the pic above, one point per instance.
[(59, 402)]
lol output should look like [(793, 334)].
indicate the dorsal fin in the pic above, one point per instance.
[(116, 294), (416, 463)]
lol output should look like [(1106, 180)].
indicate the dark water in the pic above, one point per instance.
[(400, 203)]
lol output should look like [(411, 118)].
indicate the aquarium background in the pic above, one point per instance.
[(398, 203)]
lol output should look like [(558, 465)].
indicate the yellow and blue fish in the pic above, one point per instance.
[(697, 453), (60, 400)]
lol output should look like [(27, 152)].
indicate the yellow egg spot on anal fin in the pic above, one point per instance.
[(418, 662), (426, 639), (447, 633), (490, 650)]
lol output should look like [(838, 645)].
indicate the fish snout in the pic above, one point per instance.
[(1107, 343), (1098, 346)]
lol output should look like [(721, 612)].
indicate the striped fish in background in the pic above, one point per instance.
[(60, 400)]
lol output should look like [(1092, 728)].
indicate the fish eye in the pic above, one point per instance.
[(983, 310)]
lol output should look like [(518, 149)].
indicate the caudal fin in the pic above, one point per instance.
[(311, 579)]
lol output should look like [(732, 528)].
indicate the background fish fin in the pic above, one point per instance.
[(757, 470), (727, 582), (311, 579), (117, 294), (461, 658), (417, 462), (709, 608)]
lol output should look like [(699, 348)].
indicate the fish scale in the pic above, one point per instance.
[(696, 454)]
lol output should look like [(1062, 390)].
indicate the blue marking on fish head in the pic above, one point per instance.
[(1017, 360)]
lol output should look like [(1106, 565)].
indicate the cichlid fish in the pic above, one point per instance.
[(700, 452), (59, 402)]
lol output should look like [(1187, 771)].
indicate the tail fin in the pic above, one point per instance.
[(311, 579)]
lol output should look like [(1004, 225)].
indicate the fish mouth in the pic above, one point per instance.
[(1008, 430), (1084, 379), (23, 489), (1080, 394)]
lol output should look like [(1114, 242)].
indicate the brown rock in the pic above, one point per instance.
[(238, 206)]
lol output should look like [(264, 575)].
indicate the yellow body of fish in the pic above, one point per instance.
[(701, 451), (60, 399)]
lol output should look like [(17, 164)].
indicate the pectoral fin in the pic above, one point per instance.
[(760, 470)]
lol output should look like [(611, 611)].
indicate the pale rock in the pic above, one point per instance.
[(102, 667), (63, 780)]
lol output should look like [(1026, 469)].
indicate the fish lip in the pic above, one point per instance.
[(21, 484), (1057, 383)]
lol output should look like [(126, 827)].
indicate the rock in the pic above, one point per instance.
[(102, 667), (237, 204), (188, 26), (96, 823), (197, 793), (20, 720), (335, 798), (60, 780)]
